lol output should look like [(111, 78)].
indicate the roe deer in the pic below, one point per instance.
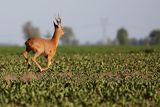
[(46, 47)]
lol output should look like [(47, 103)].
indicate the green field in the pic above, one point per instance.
[(83, 76)]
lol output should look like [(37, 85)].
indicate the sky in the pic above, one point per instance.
[(91, 20)]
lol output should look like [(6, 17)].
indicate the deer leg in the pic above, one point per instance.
[(34, 60), (26, 58), (48, 63)]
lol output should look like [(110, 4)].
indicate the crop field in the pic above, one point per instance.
[(82, 76)]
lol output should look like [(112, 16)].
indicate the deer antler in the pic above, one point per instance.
[(58, 19)]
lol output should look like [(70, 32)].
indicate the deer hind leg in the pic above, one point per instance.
[(34, 60), (26, 57)]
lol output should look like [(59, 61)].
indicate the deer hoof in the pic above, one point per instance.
[(43, 69)]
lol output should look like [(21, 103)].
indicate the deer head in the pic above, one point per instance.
[(58, 26)]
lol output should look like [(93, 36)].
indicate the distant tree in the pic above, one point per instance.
[(155, 37), (122, 36), (69, 37), (30, 31)]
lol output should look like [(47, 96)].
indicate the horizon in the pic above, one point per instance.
[(91, 21)]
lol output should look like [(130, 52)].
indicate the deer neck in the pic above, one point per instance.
[(55, 38)]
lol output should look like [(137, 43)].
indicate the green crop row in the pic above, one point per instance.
[(84, 76)]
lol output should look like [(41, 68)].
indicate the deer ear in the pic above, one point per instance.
[(55, 25)]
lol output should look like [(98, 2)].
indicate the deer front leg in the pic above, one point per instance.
[(34, 60), (48, 63), (26, 58)]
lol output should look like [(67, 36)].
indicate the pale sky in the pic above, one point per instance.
[(85, 17)]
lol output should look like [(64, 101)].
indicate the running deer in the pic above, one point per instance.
[(46, 47)]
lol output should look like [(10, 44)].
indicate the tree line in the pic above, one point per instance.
[(69, 38), (152, 39)]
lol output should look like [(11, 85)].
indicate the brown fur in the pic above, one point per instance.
[(46, 47)]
